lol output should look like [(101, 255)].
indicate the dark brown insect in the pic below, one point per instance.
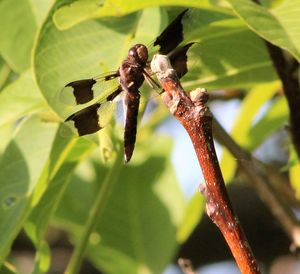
[(131, 75)]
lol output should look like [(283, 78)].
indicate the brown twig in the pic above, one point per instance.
[(196, 118), (260, 178)]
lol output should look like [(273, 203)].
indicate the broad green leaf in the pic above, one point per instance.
[(84, 51), (21, 166), (75, 12), (78, 11), (4, 73), (6, 133), (40, 9), (144, 210), (61, 166), (17, 29), (131, 4), (63, 159), (20, 98), (106, 144), (18, 26), (226, 54), (250, 107), (278, 25)]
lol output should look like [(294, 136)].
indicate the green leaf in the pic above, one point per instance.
[(40, 9), (251, 105), (78, 11), (64, 157), (21, 167), (6, 132), (73, 13), (226, 54), (18, 26), (19, 98), (4, 73), (84, 51), (274, 119), (17, 30), (278, 25), (144, 209)]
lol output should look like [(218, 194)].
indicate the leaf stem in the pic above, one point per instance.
[(95, 215)]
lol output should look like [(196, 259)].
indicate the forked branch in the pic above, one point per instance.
[(196, 118), (263, 180)]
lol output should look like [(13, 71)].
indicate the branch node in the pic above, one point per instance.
[(203, 189), (199, 96)]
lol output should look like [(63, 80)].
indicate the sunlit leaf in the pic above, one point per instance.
[(250, 107), (19, 98), (274, 119), (64, 157), (6, 132), (4, 72), (279, 25), (78, 11), (226, 54), (18, 26), (21, 166), (144, 209)]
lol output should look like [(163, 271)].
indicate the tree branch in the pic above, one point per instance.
[(196, 118), (258, 175)]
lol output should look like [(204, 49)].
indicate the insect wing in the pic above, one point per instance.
[(178, 59), (88, 120), (172, 36), (86, 90)]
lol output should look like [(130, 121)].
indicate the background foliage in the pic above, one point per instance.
[(47, 179)]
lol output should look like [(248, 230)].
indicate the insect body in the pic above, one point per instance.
[(131, 74)]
